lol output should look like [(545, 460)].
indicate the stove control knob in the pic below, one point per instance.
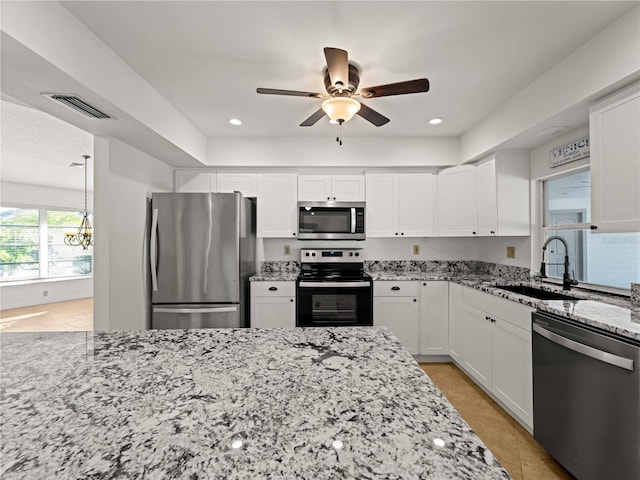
[(357, 254), (306, 254), (351, 254), (313, 254)]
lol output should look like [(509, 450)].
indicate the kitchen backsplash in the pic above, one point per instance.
[(506, 272)]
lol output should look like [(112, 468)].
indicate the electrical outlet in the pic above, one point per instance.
[(45, 293), (287, 249), (416, 249), (511, 252)]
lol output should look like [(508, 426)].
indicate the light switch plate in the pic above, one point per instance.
[(511, 252), (287, 249), (416, 249)]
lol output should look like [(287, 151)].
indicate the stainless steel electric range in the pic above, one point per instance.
[(333, 290)]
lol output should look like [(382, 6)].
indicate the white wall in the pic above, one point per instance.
[(36, 196), (23, 294), (323, 152), (379, 248), (124, 180)]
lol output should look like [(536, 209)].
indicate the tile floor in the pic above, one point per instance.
[(72, 315), (513, 446)]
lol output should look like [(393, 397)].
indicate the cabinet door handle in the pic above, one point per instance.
[(492, 232), (402, 233), (486, 317), (396, 233), (395, 288), (273, 289), (294, 234), (328, 198), (334, 198), (415, 300), (424, 284), (291, 299), (593, 227), (473, 233)]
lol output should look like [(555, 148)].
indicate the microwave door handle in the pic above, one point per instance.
[(353, 220)]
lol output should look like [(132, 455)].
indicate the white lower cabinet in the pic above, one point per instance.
[(395, 305), (434, 318), (273, 304), (496, 352), (456, 347)]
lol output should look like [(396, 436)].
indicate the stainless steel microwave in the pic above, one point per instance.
[(331, 221)]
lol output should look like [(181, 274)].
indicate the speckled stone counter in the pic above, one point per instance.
[(274, 277), (321, 403), (606, 312)]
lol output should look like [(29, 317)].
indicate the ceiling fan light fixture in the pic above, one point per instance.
[(340, 108)]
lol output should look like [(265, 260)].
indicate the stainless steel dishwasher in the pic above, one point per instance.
[(586, 398)]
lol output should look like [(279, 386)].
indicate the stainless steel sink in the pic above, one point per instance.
[(534, 292)]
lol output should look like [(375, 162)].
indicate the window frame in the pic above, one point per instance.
[(43, 246), (546, 228)]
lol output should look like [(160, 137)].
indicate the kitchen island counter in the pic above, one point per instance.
[(321, 403)]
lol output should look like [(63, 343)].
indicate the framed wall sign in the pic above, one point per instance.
[(569, 153)]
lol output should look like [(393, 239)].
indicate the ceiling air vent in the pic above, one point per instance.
[(76, 103)]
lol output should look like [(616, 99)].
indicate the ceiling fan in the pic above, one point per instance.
[(341, 80)]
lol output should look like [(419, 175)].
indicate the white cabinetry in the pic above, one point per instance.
[(456, 347), (496, 338), (194, 181), (210, 181), (245, 183), (323, 188), (273, 304), (400, 204), (434, 318), (614, 129), (503, 195), (395, 305), (457, 202), (277, 205)]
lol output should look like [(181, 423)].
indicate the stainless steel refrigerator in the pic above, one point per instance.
[(202, 253)]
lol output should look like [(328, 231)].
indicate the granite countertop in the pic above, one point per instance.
[(319, 403), (274, 277)]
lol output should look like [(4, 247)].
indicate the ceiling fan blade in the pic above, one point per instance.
[(295, 93), (313, 118), (338, 66), (399, 88), (372, 116)]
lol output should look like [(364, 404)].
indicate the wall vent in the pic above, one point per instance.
[(76, 103)]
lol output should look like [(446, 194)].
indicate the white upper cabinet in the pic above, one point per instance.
[(194, 181), (503, 195), (245, 183), (614, 129), (457, 202), (324, 188), (400, 205), (277, 205)]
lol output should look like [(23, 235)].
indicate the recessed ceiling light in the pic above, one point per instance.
[(547, 132), (435, 121), (235, 121)]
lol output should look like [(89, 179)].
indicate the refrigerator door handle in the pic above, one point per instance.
[(232, 308), (153, 250)]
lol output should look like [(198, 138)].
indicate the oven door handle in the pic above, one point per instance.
[(334, 284), (594, 353)]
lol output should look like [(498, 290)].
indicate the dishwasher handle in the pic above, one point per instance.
[(594, 353)]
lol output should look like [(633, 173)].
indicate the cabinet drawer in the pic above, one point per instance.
[(512, 312), (396, 289), (273, 289)]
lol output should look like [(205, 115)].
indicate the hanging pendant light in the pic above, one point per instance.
[(84, 236)]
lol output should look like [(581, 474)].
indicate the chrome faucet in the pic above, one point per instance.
[(567, 281)]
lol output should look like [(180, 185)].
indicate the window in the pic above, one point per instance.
[(32, 245), (609, 259)]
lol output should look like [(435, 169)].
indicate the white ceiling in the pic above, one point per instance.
[(207, 58), (37, 147)]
